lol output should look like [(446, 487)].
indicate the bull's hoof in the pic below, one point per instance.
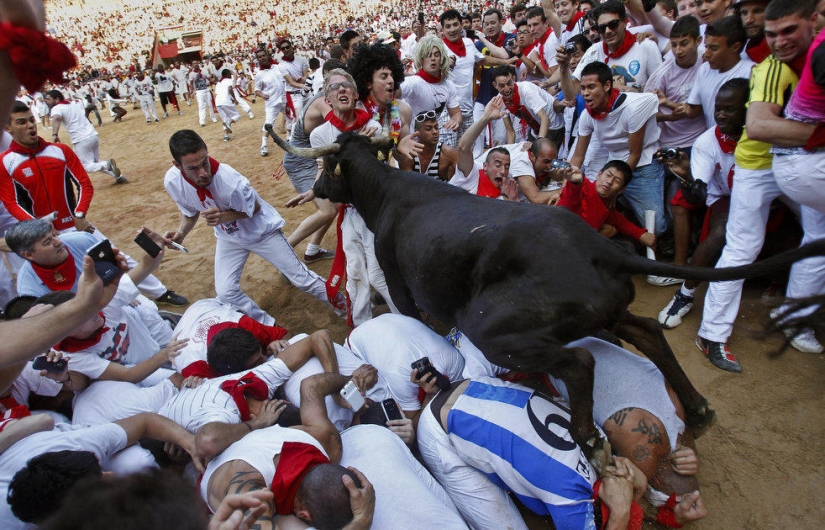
[(599, 454), (701, 421)]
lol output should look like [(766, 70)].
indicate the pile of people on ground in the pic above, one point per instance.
[(689, 131)]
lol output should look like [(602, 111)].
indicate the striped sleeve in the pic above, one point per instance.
[(772, 81)]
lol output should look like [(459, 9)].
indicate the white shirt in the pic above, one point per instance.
[(707, 85), (423, 96), (462, 74), (530, 96), (391, 343), (709, 164), (271, 83), (294, 69), (74, 121), (230, 191), (222, 90), (144, 87), (612, 132), (164, 81), (676, 83), (199, 80), (195, 324), (635, 66), (103, 441)]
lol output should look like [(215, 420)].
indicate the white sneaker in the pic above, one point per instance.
[(165, 115), (679, 306), (663, 281), (264, 151), (214, 120), (805, 341), (251, 116)]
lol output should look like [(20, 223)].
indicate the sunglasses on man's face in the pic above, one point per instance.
[(285, 47), (335, 86), (612, 26), (424, 116)]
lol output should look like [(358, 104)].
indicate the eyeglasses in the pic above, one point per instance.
[(528, 32), (285, 47), (424, 116), (612, 26), (332, 87)]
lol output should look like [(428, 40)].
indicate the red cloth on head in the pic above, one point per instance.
[(264, 334), (294, 463), (71, 345), (200, 369), (35, 56), (237, 388)]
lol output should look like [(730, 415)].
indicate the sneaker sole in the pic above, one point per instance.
[(173, 304)]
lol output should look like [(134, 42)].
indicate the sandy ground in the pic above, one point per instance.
[(760, 465)]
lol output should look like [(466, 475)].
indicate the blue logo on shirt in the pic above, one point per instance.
[(634, 67)]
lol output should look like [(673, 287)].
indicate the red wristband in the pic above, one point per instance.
[(666, 516), (35, 56)]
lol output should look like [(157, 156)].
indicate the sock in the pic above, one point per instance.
[(263, 142), (312, 249), (687, 292)]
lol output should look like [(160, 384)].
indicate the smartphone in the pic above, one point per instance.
[(424, 367), (353, 396), (391, 410), (106, 265), (145, 242), (42, 363)]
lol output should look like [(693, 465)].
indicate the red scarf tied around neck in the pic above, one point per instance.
[(361, 119), (616, 99), (428, 77), (627, 43), (457, 48), (517, 109)]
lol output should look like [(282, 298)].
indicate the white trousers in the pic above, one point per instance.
[(228, 113), (230, 258), (363, 269), (147, 105), (753, 192), (204, 98), (88, 151), (241, 101), (802, 178)]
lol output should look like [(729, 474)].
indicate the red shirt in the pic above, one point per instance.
[(49, 178), (583, 200)]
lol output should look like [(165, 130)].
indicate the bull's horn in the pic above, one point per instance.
[(337, 169), (381, 156), (305, 152), (380, 139)]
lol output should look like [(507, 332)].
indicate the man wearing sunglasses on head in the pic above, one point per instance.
[(436, 159), (626, 58)]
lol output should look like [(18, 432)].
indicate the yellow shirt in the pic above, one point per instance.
[(772, 81)]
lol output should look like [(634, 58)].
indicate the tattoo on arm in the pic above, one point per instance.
[(641, 453), (654, 434), (243, 482), (621, 415)]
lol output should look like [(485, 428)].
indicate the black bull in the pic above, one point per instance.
[(520, 280)]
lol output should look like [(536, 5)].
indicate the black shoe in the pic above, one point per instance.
[(318, 256), (171, 318), (172, 298), (719, 355)]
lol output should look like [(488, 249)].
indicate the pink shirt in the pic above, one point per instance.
[(808, 100)]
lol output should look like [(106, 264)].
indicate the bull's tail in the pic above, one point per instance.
[(635, 264)]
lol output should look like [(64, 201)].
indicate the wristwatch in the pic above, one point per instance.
[(80, 215)]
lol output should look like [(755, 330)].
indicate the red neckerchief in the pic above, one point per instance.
[(295, 461), (457, 48), (23, 150), (361, 119), (576, 17), (203, 193), (199, 369), (636, 512), (338, 272), (63, 102), (428, 77), (541, 42), (727, 143), (627, 43), (238, 388), (72, 345), (264, 67), (757, 51), (500, 40), (517, 109), (486, 187), (60, 278), (613, 103), (372, 108)]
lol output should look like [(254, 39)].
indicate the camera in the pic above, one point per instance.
[(425, 367), (670, 153), (559, 163), (570, 48)]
